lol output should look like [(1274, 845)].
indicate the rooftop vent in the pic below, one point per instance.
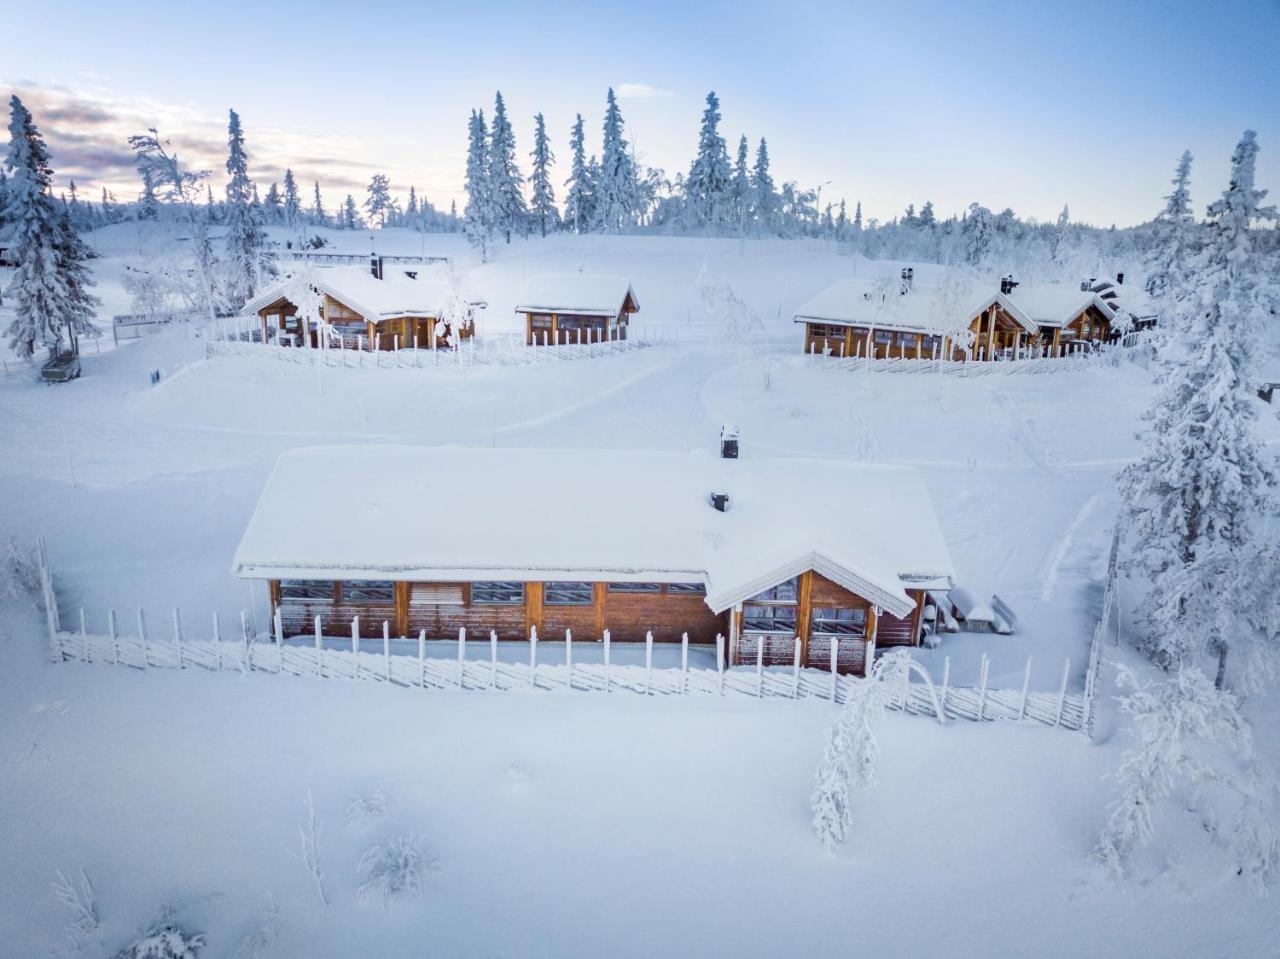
[(1007, 284), (720, 501), (908, 276), (375, 266), (728, 442)]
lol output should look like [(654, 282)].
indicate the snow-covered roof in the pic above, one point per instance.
[(1054, 304), (1131, 298), (396, 294), (458, 514), (577, 294), (879, 305)]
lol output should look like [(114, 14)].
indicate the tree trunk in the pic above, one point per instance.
[(1221, 679)]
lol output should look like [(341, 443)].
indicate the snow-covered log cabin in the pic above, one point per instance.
[(373, 308), (636, 543), (576, 308), (892, 321)]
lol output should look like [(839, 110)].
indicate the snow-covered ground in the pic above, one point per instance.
[(566, 824)]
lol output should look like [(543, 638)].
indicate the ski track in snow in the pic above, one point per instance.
[(1059, 552)]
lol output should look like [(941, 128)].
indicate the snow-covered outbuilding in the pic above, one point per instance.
[(636, 543), (853, 317), (371, 308), (1133, 308), (576, 308)]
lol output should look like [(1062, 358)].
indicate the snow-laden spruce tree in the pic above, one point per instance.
[(616, 194), (578, 205), (849, 758), (38, 288), (506, 183), (741, 190), (247, 261), (708, 188), (764, 195), (318, 215), (351, 219), (1173, 238), (477, 215), (543, 202), (292, 201), (1199, 495), (73, 266), (378, 203), (979, 233)]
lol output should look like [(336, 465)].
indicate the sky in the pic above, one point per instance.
[(1028, 105)]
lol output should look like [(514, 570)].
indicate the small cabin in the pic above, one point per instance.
[(371, 309), (576, 308), (662, 543)]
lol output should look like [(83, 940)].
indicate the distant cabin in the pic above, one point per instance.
[(895, 320), (575, 308), (365, 308), (1130, 304), (635, 545)]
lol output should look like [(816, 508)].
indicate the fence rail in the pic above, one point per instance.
[(243, 337)]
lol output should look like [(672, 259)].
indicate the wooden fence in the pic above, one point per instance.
[(242, 336), (133, 643)]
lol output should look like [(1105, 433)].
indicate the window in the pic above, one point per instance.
[(908, 340), (686, 589), (762, 618), (635, 587), (839, 622), (540, 322), (368, 591), (884, 337), (435, 594), (784, 592), (568, 594), (497, 593), (306, 589), (930, 343)]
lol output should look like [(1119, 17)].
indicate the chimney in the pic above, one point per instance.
[(1119, 279), (908, 275), (720, 501), (375, 266), (1007, 283), (728, 443)]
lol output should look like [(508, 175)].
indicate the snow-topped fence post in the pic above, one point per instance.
[(982, 683), (1026, 686), (493, 658), (386, 650), (946, 681), (533, 656), (115, 636), (277, 624), (719, 664), (568, 658), (355, 647), (684, 662), (835, 666), (1062, 693), (648, 663), (319, 641), (217, 642), (422, 658), (177, 635), (795, 671), (245, 664), (462, 654), (606, 661), (759, 666), (142, 636), (84, 637)]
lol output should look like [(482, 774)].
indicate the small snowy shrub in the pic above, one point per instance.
[(308, 851), (19, 574), (392, 870), (82, 902), (849, 760), (256, 943), (163, 939), (363, 809)]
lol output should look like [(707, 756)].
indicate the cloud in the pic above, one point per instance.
[(88, 128), (640, 91)]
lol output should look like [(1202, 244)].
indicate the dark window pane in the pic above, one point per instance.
[(309, 589), (568, 594), (768, 618), (839, 621), (784, 592), (498, 593), (691, 589), (635, 587), (368, 591)]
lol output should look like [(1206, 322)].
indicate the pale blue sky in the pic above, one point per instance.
[(1028, 105)]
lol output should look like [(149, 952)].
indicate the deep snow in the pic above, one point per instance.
[(564, 824)]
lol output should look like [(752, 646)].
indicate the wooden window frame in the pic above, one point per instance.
[(548, 588), (478, 590)]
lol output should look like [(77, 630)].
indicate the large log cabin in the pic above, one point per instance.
[(361, 308), (636, 544), (576, 308), (891, 320)]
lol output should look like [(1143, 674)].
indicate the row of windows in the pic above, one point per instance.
[(781, 618), (886, 338), (494, 593)]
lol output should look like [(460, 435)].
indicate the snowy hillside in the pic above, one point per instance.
[(566, 825)]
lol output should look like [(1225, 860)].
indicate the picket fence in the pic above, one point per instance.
[(242, 336), (1025, 362), (241, 650)]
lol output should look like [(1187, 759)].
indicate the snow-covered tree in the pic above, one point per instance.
[(38, 288), (849, 758), (378, 202), (292, 201), (928, 219), (1173, 235), (764, 196), (615, 189), (73, 268), (979, 232), (505, 180), (578, 206), (163, 168), (709, 184), (741, 187), (318, 215), (393, 869), (273, 204), (543, 203), (164, 938), (351, 214), (857, 218), (248, 262), (477, 222), (1200, 492)]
